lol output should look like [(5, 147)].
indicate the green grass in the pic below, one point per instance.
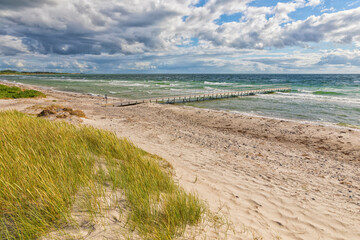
[(342, 124), (15, 92), (45, 164)]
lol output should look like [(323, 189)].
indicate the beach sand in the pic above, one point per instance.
[(272, 178)]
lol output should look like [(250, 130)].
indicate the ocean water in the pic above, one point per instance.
[(321, 98)]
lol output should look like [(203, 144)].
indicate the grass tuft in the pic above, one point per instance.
[(59, 111), (16, 92), (44, 164)]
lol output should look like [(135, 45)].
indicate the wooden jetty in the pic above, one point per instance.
[(198, 97)]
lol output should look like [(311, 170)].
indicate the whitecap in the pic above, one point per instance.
[(320, 98), (218, 83)]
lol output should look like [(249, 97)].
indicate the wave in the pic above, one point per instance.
[(209, 88), (128, 84), (218, 83), (313, 97), (302, 91), (94, 94), (9, 81), (328, 93), (77, 80)]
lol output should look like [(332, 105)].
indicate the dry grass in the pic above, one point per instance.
[(59, 111)]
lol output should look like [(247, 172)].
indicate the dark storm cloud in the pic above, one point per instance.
[(85, 30), (9, 51), (16, 4), (151, 18), (339, 60)]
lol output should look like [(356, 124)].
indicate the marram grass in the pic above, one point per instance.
[(43, 164)]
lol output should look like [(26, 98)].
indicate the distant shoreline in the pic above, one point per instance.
[(11, 72)]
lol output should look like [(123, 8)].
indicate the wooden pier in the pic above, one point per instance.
[(198, 97)]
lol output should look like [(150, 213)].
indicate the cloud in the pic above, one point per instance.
[(92, 27), (340, 57), (165, 35), (16, 4), (113, 27), (258, 31), (313, 3), (340, 27), (11, 46)]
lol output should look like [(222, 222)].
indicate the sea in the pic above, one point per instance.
[(324, 98)]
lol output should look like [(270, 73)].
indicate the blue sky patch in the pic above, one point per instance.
[(228, 18), (193, 43), (200, 3), (266, 3)]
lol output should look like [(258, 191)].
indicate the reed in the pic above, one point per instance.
[(44, 164)]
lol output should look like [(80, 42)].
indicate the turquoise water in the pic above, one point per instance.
[(323, 98)]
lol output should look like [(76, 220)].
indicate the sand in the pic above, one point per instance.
[(272, 178)]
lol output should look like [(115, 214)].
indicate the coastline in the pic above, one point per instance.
[(115, 99), (272, 177)]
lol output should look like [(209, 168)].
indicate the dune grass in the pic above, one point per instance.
[(16, 92), (44, 164)]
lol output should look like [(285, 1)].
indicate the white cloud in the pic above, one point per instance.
[(331, 9), (313, 3), (143, 65), (11, 45), (20, 64), (81, 66)]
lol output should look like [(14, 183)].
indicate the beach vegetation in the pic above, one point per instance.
[(342, 124), (58, 110), (13, 72), (44, 165), (16, 92)]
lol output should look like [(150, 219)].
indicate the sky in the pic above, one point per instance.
[(180, 36)]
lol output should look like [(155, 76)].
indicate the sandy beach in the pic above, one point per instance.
[(272, 178)]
